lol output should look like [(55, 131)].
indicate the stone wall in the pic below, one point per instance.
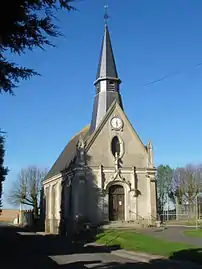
[(8, 215)]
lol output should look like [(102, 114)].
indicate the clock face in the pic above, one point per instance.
[(116, 123)]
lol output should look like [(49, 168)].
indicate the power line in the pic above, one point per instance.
[(170, 75)]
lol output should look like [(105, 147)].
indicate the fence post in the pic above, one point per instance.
[(177, 208)]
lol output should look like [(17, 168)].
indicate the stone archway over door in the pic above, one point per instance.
[(116, 203)]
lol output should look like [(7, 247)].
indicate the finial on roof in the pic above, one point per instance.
[(149, 144), (150, 154), (106, 16)]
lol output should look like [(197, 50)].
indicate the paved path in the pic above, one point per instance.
[(174, 234), (31, 251)]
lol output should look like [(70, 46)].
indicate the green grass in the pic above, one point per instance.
[(141, 243), (194, 233)]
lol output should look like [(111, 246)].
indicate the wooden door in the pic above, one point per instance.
[(116, 203)]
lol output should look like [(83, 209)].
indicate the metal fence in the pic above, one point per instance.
[(182, 215)]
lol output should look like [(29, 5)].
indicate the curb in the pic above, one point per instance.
[(138, 256), (132, 256), (147, 258), (143, 257)]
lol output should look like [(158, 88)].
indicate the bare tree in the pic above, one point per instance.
[(187, 183), (26, 189)]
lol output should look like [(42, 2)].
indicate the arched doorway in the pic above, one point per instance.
[(116, 203)]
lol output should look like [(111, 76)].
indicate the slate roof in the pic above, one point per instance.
[(102, 103), (107, 66), (67, 154), (106, 71)]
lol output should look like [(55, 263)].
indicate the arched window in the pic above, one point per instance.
[(115, 146)]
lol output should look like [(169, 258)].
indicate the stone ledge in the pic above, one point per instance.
[(147, 258)]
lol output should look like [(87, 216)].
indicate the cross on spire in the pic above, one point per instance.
[(106, 16)]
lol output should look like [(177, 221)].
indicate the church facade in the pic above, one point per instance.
[(105, 173)]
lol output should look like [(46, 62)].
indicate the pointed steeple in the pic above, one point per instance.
[(107, 81), (107, 66)]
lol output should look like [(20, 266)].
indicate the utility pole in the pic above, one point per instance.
[(167, 206), (197, 210)]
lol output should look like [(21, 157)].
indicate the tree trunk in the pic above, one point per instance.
[(35, 208)]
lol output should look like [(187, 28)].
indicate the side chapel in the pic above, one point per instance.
[(105, 172)]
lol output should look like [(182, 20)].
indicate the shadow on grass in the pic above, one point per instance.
[(114, 238), (193, 255), (20, 249)]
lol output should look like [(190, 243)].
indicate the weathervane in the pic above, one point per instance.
[(106, 16)]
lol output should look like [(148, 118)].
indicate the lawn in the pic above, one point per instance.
[(194, 233), (141, 243)]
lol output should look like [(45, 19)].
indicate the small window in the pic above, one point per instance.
[(111, 85), (98, 88), (115, 146)]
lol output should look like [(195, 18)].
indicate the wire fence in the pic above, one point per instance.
[(182, 215)]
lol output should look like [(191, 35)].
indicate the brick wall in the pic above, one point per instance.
[(8, 215)]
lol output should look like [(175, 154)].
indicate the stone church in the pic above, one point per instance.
[(105, 173)]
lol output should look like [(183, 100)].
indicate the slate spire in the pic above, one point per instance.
[(106, 67), (107, 81)]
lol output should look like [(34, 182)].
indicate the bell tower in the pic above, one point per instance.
[(107, 82)]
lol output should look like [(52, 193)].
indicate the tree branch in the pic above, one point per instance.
[(28, 25), (26, 203)]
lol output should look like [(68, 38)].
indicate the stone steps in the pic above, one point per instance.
[(124, 225)]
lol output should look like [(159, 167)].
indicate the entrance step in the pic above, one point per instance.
[(124, 225)]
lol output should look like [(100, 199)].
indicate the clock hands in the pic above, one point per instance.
[(117, 123)]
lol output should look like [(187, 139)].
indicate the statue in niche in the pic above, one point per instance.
[(116, 151), (116, 161), (117, 167), (81, 151), (80, 144)]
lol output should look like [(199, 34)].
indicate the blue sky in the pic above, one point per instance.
[(150, 39)]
